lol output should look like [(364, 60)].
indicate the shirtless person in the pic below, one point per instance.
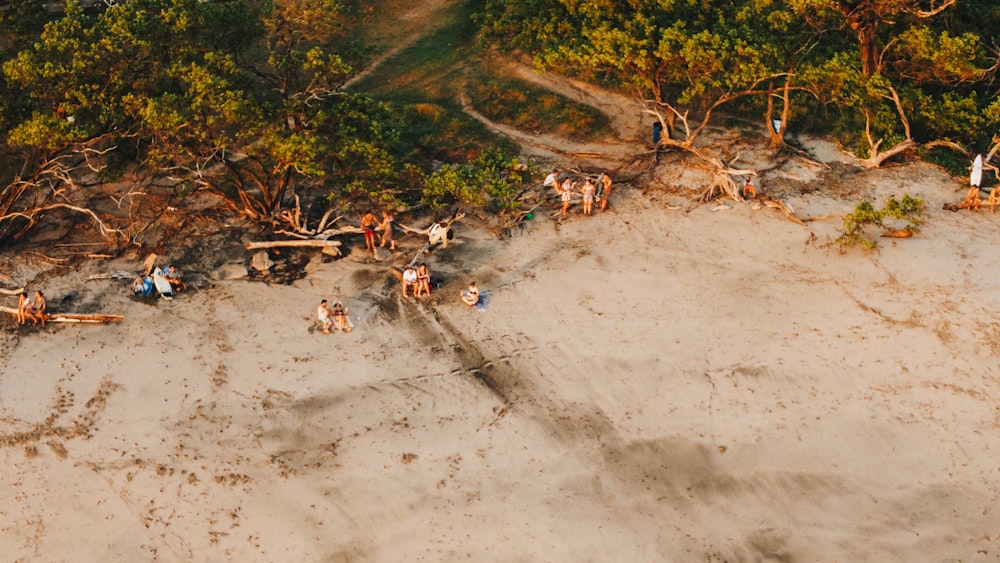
[(340, 317), (324, 316), (386, 227), (973, 200), (471, 296), (368, 223), (36, 309), (423, 280), (605, 190)]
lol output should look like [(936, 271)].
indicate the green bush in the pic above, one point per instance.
[(858, 224)]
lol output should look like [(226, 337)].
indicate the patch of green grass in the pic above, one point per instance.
[(533, 109), (428, 77)]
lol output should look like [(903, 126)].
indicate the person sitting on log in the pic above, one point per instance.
[(423, 280), (176, 279), (409, 281), (36, 309), (748, 191), (973, 200), (23, 304)]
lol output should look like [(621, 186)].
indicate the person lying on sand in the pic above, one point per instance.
[(324, 316), (175, 278), (23, 304), (470, 296), (36, 309), (423, 280), (409, 281), (340, 317)]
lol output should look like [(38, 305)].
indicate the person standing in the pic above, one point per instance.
[(566, 194), (605, 181), (386, 227), (588, 190), (368, 223)]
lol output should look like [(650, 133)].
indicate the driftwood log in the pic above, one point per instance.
[(72, 317), (11, 291), (314, 243)]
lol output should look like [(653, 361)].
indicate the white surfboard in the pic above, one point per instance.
[(162, 285), (976, 178)]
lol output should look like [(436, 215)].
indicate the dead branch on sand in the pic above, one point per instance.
[(311, 243)]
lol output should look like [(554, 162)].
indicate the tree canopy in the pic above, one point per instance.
[(883, 75)]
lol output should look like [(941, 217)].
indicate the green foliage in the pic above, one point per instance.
[(857, 224), (493, 180)]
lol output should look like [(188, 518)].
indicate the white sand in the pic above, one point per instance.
[(647, 385)]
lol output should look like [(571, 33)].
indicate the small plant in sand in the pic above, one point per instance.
[(898, 219)]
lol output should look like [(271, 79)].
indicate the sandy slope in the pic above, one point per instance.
[(646, 385)]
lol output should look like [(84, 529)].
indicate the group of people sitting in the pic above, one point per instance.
[(416, 281), (593, 190), (143, 285), (336, 317), (33, 308)]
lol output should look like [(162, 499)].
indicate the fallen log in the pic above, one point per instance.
[(314, 243), (72, 317), (11, 291)]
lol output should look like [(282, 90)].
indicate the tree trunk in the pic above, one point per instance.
[(862, 17), (314, 243), (777, 134)]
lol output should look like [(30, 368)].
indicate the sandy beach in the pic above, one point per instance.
[(648, 384)]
